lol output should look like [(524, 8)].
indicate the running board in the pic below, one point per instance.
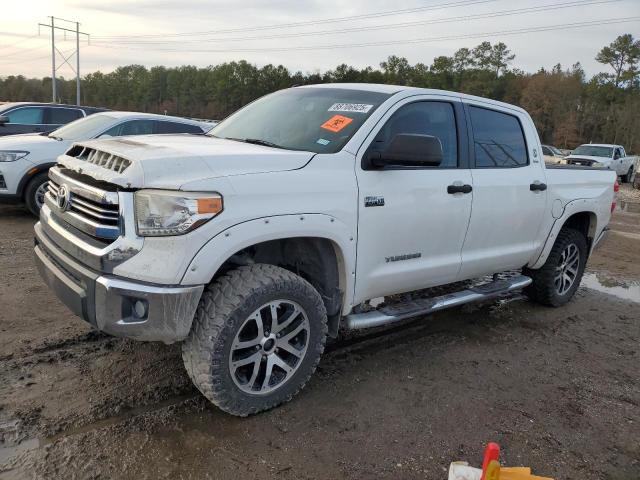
[(395, 313)]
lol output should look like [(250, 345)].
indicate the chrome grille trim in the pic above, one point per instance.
[(100, 158), (88, 191), (90, 209)]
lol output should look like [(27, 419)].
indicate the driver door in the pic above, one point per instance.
[(411, 226)]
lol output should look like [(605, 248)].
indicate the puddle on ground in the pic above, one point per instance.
[(629, 207), (605, 284)]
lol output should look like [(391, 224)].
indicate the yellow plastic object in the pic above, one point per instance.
[(493, 471), (519, 473)]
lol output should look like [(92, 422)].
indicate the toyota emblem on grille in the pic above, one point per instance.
[(63, 199)]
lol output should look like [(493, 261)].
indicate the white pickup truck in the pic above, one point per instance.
[(608, 156), (254, 243)]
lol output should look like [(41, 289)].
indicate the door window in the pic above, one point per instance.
[(26, 116), (498, 139), (546, 151), (62, 116), (175, 127), (132, 127), (425, 118)]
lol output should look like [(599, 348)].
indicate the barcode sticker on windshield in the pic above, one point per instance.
[(350, 107)]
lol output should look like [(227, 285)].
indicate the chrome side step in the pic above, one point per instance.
[(395, 313)]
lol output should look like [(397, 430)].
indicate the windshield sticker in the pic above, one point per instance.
[(323, 141), (336, 123), (350, 107)]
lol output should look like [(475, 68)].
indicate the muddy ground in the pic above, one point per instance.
[(559, 389)]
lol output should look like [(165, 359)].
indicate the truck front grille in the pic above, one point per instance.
[(99, 158), (86, 207)]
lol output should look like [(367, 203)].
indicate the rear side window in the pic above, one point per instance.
[(26, 116), (424, 118), (132, 127), (498, 139), (175, 127), (546, 151), (62, 116)]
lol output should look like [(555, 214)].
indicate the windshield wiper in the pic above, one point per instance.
[(255, 141), (54, 137)]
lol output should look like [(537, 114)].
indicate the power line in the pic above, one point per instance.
[(563, 26), (16, 43), (440, 6), (495, 14)]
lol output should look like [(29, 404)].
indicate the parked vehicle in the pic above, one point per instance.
[(255, 242), (27, 117), (26, 159), (608, 156), (552, 155)]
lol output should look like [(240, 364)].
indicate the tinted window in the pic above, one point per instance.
[(175, 127), (27, 115), (61, 116), (424, 118), (132, 127), (546, 150), (498, 139)]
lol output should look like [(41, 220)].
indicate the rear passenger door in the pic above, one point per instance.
[(509, 191)]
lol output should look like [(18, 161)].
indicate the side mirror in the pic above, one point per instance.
[(616, 156), (406, 150), (4, 119)]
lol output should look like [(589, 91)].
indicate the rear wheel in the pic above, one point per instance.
[(34, 193), (628, 177), (256, 338), (556, 282)]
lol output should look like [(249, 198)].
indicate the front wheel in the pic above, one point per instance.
[(556, 282), (628, 177), (35, 191), (257, 337)]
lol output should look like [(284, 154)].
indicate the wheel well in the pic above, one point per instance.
[(584, 222), (317, 260)]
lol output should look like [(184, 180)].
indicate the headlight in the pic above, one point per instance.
[(12, 155), (161, 213), (597, 164)]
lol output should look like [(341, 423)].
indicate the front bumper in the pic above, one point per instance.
[(115, 305)]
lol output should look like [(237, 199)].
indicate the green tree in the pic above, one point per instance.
[(622, 55)]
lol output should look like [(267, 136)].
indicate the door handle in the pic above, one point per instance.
[(459, 189), (538, 187)]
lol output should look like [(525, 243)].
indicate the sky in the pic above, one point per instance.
[(306, 35)]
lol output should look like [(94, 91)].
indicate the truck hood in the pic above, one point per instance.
[(170, 161), (589, 158)]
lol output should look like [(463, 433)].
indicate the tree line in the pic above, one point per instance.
[(567, 107)]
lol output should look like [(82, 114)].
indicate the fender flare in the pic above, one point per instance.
[(581, 205), (206, 263)]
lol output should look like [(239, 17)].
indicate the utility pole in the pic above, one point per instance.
[(65, 58), (53, 60)]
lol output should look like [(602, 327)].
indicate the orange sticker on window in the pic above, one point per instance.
[(336, 123)]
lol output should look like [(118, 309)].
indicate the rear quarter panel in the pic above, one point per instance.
[(571, 191)]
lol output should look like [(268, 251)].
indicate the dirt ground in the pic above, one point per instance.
[(559, 389)]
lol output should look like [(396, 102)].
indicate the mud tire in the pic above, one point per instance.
[(225, 304), (543, 289)]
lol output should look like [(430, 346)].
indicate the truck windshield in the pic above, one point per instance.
[(320, 120), (593, 151)]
